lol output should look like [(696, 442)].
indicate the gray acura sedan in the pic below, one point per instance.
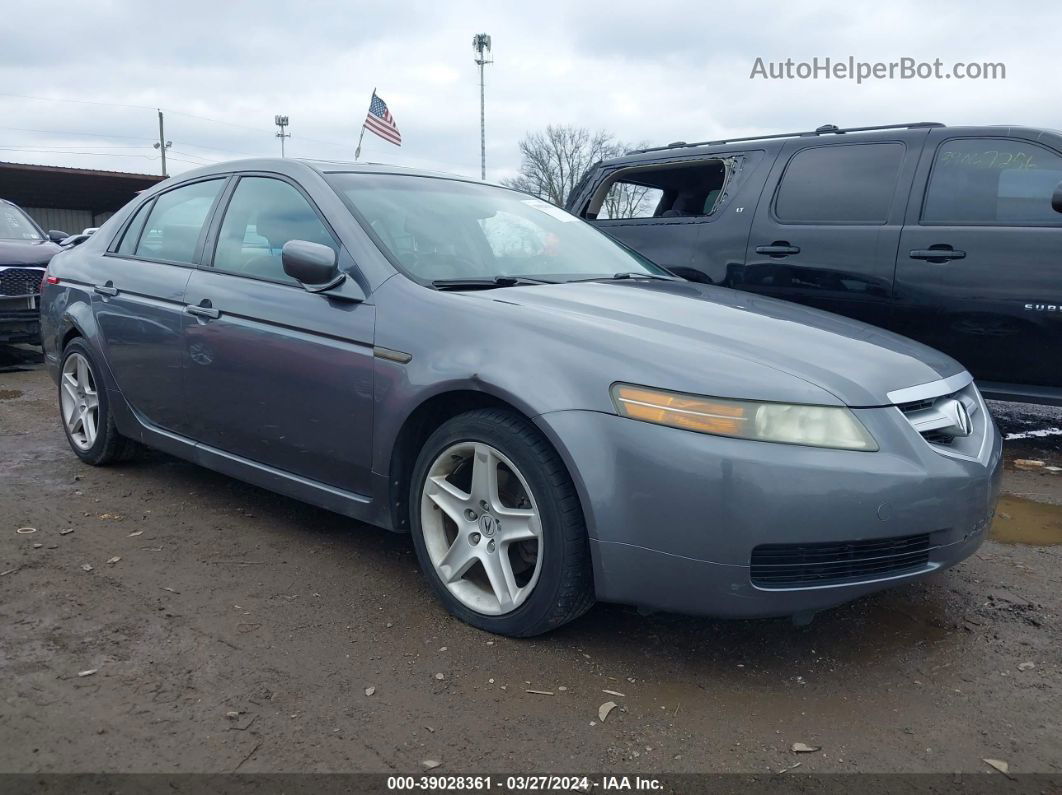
[(552, 418)]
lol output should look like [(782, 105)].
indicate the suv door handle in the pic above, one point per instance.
[(203, 311), (942, 254), (779, 248), (105, 289)]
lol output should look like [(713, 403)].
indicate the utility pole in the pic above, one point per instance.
[(481, 44), (281, 122), (163, 145)]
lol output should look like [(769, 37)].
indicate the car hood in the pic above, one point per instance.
[(27, 252), (716, 340)]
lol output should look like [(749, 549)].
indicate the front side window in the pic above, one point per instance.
[(262, 216), (14, 225), (847, 184), (448, 229), (176, 221), (993, 181)]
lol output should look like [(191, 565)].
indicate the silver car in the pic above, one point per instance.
[(552, 418)]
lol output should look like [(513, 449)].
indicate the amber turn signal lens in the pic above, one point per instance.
[(721, 417)]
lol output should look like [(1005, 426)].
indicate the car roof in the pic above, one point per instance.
[(293, 166), (826, 135)]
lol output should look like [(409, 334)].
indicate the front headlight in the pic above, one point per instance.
[(814, 426)]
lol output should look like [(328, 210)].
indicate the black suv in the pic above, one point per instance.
[(949, 235), (25, 251)]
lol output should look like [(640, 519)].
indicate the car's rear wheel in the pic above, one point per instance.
[(85, 409), (498, 527)]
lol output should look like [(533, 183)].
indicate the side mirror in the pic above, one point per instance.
[(1056, 200), (56, 236), (311, 265)]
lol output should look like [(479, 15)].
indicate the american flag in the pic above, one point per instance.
[(380, 121)]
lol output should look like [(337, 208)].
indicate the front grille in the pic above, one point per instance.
[(935, 421), (20, 281), (810, 565)]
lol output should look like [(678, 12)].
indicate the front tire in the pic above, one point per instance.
[(497, 525), (85, 410)]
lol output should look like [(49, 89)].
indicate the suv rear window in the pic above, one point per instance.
[(993, 181), (849, 184)]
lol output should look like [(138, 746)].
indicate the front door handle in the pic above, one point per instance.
[(203, 311), (779, 248), (939, 253), (105, 289)]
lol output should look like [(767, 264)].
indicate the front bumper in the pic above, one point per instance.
[(674, 516), (18, 322)]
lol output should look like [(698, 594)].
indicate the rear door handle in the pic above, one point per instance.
[(778, 248), (942, 254), (105, 289), (203, 311)]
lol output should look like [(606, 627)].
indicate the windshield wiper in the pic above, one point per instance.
[(628, 275), (485, 283)]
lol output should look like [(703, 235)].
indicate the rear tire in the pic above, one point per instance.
[(513, 557), (85, 409)]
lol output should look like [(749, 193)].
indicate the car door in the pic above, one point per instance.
[(826, 230), (980, 259), (274, 373), (676, 212), (138, 298)]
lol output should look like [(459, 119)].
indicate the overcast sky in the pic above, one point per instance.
[(657, 71)]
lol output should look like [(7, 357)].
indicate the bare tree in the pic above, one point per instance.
[(627, 200), (554, 160)]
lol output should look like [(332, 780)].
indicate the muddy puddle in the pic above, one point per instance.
[(10, 394), (1022, 521)]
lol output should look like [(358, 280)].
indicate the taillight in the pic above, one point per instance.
[(46, 279)]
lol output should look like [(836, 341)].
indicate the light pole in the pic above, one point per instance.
[(281, 122), (481, 44), (163, 145)]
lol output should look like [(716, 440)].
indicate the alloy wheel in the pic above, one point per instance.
[(481, 527), (80, 402)]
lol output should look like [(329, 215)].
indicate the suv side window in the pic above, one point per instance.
[(262, 216), (992, 181), (846, 183), (688, 189), (176, 221), (132, 232)]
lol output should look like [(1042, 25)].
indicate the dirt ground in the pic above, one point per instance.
[(222, 628)]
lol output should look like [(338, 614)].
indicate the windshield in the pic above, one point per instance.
[(15, 226), (441, 229)]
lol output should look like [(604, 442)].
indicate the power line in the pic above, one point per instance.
[(97, 154), (71, 132), (168, 110)]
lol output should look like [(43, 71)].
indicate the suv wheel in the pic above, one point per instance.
[(85, 410), (498, 527)]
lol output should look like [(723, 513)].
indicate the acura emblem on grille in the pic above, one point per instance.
[(955, 411)]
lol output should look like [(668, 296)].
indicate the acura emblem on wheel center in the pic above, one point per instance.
[(488, 524)]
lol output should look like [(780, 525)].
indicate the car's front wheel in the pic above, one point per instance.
[(85, 409), (498, 527)]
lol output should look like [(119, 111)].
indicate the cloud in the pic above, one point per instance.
[(658, 72)]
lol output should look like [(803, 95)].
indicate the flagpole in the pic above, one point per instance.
[(357, 152)]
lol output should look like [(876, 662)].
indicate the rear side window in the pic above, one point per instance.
[(850, 184), (262, 216), (995, 182), (666, 190), (176, 221), (132, 232)]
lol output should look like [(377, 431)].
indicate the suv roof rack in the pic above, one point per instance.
[(826, 129)]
